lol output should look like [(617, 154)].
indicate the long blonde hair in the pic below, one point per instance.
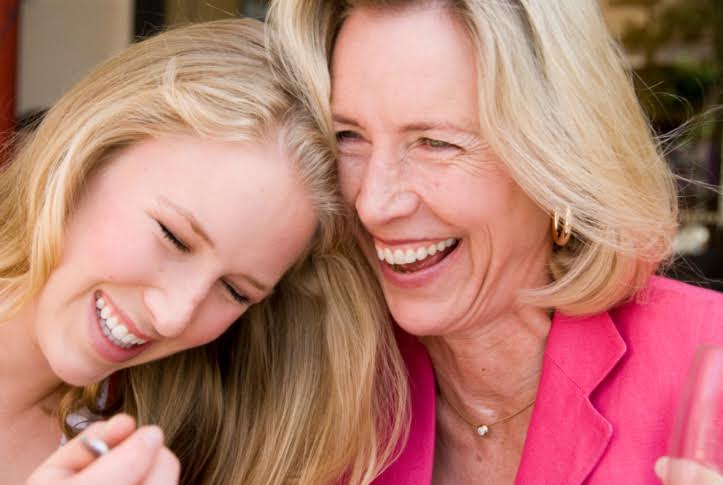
[(307, 383), (559, 109)]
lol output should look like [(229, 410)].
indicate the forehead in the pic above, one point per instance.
[(421, 58), (248, 196)]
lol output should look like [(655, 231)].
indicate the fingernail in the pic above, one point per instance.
[(661, 467), (152, 436)]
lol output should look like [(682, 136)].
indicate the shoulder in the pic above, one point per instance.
[(647, 345), (662, 328), (668, 305), (660, 289)]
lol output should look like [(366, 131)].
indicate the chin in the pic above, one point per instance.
[(76, 378), (75, 373), (420, 320)]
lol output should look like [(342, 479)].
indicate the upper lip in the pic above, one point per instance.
[(124, 319)]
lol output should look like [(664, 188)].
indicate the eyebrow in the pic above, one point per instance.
[(200, 232), (422, 126), (257, 284), (344, 120), (192, 221)]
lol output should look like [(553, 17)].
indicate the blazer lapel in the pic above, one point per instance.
[(567, 435)]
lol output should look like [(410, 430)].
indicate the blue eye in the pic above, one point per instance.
[(168, 234), (241, 299)]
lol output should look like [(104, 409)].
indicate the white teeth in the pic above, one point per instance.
[(119, 331), (119, 334), (116, 332), (407, 256)]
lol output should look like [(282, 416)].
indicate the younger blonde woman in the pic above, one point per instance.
[(178, 197)]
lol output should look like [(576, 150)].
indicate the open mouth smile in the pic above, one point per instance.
[(113, 326), (412, 259)]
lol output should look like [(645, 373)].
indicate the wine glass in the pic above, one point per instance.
[(697, 433)]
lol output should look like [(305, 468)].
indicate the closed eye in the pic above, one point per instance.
[(168, 234), (240, 299)]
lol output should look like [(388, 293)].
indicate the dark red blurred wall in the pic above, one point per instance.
[(9, 13)]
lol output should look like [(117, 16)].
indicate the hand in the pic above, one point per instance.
[(136, 456), (688, 471)]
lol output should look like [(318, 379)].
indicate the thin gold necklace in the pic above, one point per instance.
[(484, 428)]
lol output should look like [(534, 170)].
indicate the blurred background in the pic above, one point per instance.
[(674, 47)]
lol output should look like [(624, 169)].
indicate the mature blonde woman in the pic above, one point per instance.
[(175, 191), (516, 206)]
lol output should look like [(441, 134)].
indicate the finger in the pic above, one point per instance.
[(680, 470), (129, 462), (74, 455), (166, 470), (661, 468)]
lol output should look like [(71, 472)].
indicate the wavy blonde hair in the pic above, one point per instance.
[(560, 111), (308, 382)]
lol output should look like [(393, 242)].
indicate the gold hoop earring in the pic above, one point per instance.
[(561, 235)]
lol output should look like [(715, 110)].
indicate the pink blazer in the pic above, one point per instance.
[(607, 393)]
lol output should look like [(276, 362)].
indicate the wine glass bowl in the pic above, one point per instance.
[(697, 433)]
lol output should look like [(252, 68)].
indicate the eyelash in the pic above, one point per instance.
[(240, 299), (346, 135), (350, 136), (181, 246), (443, 145)]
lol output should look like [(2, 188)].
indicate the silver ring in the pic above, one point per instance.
[(95, 445)]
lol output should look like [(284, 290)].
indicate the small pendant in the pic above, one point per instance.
[(482, 429)]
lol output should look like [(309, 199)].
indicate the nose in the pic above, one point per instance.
[(385, 193), (174, 304)]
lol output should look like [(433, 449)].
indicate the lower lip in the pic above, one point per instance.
[(422, 277), (103, 346)]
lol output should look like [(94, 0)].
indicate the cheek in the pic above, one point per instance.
[(351, 173), (500, 217), (117, 247), (478, 200), (211, 323)]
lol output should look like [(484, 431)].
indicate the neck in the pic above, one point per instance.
[(26, 379), (493, 370)]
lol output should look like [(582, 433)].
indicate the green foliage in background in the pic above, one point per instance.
[(681, 75)]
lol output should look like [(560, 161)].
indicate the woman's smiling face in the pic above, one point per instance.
[(455, 235), (169, 244)]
